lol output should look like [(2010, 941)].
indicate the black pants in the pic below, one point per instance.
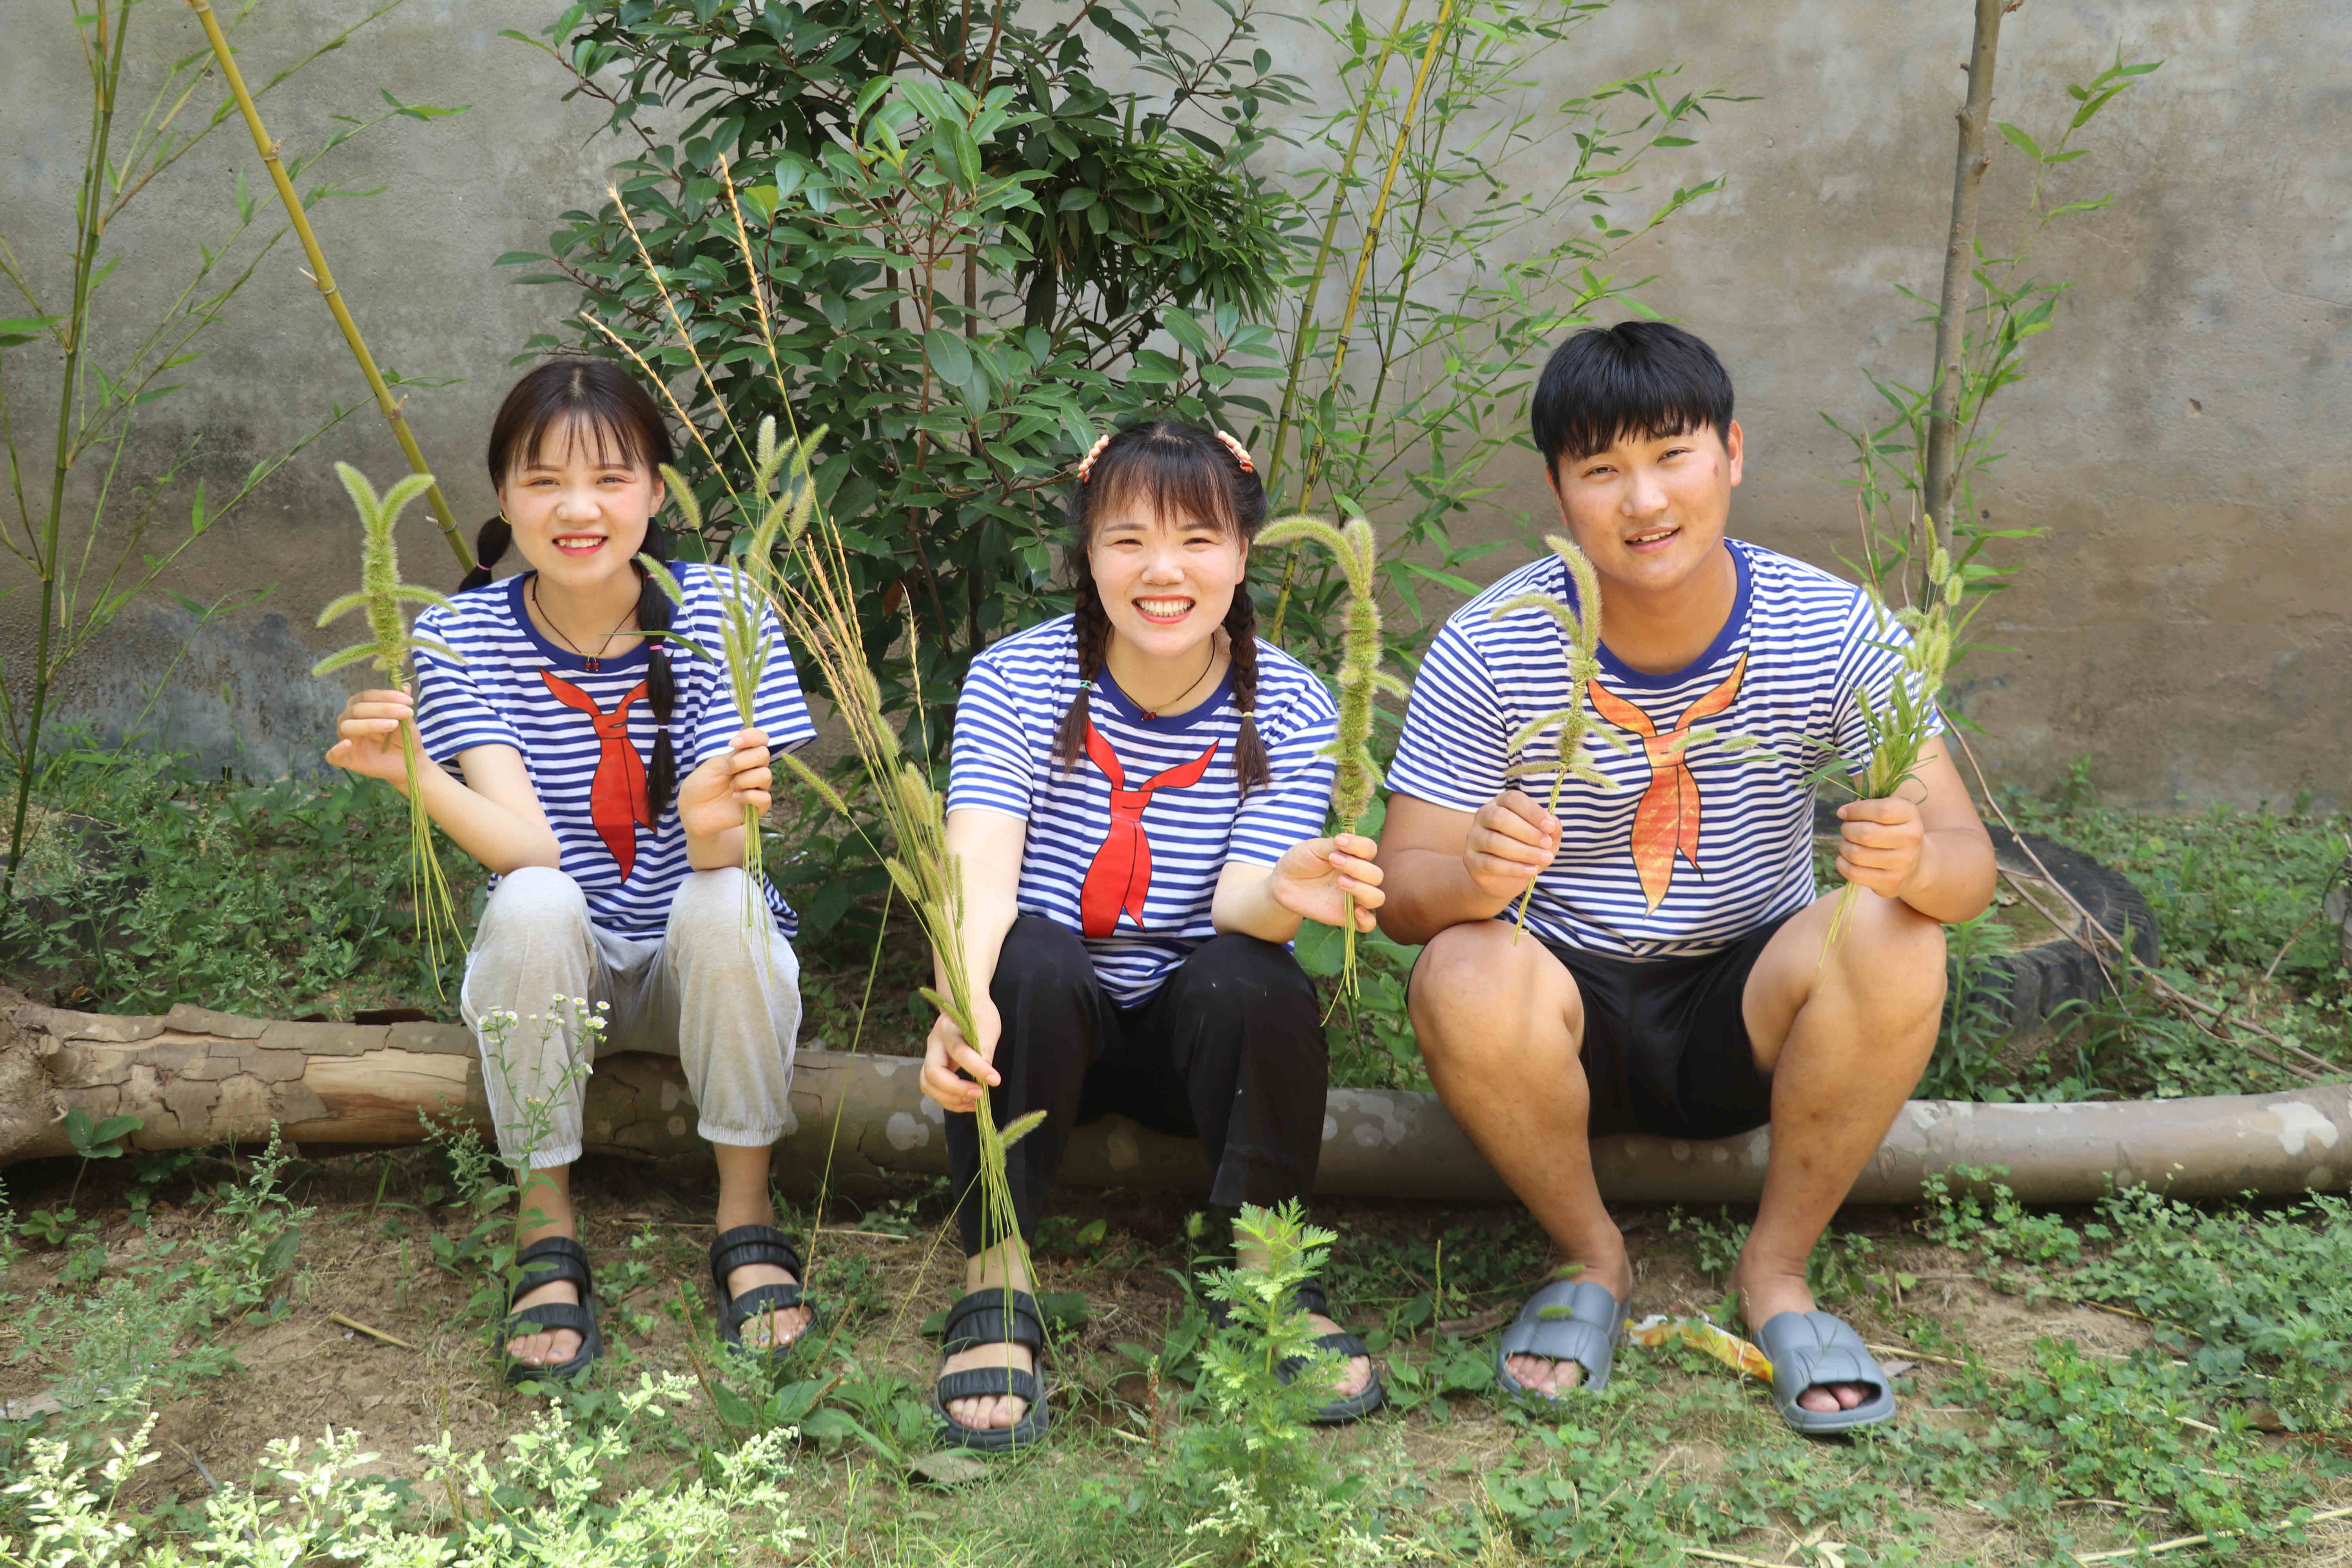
[(1230, 1050)]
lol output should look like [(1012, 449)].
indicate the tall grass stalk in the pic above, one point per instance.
[(745, 649), (1361, 679), (1312, 464), (381, 594), (816, 601), (1580, 624)]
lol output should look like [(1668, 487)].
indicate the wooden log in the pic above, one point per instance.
[(197, 1079)]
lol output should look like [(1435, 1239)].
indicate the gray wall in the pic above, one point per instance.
[(2185, 624)]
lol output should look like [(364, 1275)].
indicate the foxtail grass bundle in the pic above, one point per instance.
[(816, 601), (1361, 679), (1899, 730), (381, 595), (1580, 624)]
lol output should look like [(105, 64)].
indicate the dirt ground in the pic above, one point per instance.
[(367, 1259)]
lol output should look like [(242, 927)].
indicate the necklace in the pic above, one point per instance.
[(1154, 712), (594, 661)]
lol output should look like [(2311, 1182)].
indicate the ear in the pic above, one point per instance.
[(1733, 445), (661, 495)]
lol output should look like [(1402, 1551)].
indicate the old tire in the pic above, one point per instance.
[(2021, 989)]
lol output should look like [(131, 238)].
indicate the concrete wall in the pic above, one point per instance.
[(2185, 624)]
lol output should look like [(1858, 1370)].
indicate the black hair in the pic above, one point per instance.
[(1637, 378), (1174, 469), (587, 399)]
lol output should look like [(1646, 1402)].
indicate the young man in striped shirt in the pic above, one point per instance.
[(1676, 979)]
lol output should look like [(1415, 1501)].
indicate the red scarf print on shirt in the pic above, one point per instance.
[(616, 793), (1120, 879)]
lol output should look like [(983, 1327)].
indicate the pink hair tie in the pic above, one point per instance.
[(1240, 452), (1087, 463)]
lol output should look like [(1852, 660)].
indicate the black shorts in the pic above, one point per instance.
[(1665, 1041)]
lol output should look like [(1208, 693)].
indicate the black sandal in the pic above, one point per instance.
[(993, 1315), (754, 1244), (546, 1261), (1310, 1298)]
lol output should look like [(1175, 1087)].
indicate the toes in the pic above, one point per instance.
[(1851, 1394), (1820, 1400)]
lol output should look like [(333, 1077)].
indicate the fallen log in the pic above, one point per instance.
[(198, 1079)]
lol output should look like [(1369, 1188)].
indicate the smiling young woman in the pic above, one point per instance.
[(606, 790), (1138, 795)]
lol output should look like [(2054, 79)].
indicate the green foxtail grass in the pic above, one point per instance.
[(1900, 727), (1361, 679), (1580, 624), (381, 594), (816, 601), (745, 645)]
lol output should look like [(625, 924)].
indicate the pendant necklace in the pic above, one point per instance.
[(1154, 712), (593, 661)]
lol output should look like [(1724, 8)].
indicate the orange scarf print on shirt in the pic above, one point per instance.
[(1666, 823), (616, 792), (1119, 878)]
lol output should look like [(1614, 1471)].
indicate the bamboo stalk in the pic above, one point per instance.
[(1306, 327), (323, 279), (1942, 473), (1314, 465)]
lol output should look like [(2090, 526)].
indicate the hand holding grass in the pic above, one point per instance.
[(728, 790), (1883, 845), (1330, 880), (955, 1068), (1511, 842)]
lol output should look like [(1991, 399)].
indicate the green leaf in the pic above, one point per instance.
[(15, 330), (2020, 140), (948, 355), (422, 111)]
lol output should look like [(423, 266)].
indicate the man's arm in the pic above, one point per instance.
[(1923, 846), (1443, 867)]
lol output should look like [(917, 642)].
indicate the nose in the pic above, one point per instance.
[(1645, 496), (1164, 568), (576, 506)]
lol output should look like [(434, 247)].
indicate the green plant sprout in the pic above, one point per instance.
[(1580, 624), (818, 607), (744, 637), (1901, 729), (1361, 679), (381, 594)]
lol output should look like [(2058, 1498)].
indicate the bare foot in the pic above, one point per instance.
[(777, 1325), (1764, 1296), (547, 1347), (989, 1412), (1357, 1374), (1541, 1376)]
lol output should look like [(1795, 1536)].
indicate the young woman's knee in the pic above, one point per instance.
[(534, 898), (1246, 972), (1042, 956)]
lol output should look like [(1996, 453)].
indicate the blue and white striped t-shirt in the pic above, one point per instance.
[(1685, 856), (586, 735), (1124, 848)]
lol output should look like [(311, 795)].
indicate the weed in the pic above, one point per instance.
[(1252, 1471)]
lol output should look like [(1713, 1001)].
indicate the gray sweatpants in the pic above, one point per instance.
[(711, 992)]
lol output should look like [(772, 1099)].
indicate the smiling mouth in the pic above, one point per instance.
[(1166, 612), (1652, 539), (579, 543)]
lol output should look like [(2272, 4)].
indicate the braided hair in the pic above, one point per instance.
[(1177, 470), (586, 399)]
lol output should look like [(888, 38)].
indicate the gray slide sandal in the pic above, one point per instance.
[(1567, 1320), (1808, 1348)]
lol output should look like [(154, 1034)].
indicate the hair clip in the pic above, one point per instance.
[(1240, 452), (1087, 463)]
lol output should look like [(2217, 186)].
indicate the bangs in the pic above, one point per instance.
[(1644, 380), (578, 407), (1163, 480), (607, 441)]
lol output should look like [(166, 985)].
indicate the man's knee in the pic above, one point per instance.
[(1893, 957), (1479, 988)]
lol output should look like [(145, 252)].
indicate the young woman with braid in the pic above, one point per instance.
[(604, 779), (1138, 796)]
